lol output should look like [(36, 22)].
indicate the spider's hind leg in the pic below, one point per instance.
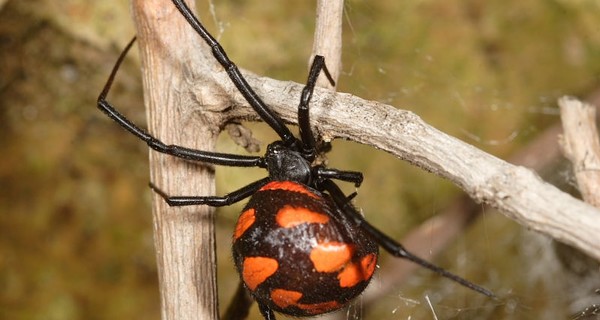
[(390, 245), (266, 312), (240, 304)]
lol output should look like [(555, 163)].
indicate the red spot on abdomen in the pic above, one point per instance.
[(288, 298), (330, 256), (289, 186), (258, 269), (289, 216), (322, 307), (285, 298), (356, 272), (244, 222)]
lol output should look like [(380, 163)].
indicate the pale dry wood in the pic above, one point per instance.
[(580, 144), (541, 155), (183, 236), (518, 192), (328, 38)]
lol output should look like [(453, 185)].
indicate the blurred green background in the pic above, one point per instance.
[(75, 222)]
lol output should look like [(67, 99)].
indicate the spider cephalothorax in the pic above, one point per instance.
[(300, 246)]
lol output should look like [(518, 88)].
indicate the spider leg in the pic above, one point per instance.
[(389, 244), (240, 304), (306, 134), (266, 312), (213, 201), (154, 143), (270, 117), (323, 173)]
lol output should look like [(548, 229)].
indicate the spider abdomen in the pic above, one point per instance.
[(297, 255)]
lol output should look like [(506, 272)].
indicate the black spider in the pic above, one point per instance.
[(297, 191)]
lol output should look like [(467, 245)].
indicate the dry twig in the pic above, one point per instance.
[(328, 37), (580, 144), (516, 191), (540, 155)]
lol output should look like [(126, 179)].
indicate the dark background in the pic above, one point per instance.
[(75, 222)]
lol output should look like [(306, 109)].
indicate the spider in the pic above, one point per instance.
[(300, 246)]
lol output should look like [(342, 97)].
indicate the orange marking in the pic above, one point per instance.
[(288, 217), (257, 269), (288, 186), (286, 298), (368, 264), (357, 272), (350, 276), (244, 222), (322, 307), (330, 256)]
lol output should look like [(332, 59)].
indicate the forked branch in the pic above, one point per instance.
[(516, 191)]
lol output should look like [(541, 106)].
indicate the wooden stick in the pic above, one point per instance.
[(328, 38), (541, 155), (580, 144), (183, 236), (516, 191)]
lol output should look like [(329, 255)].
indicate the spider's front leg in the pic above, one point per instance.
[(265, 113), (156, 144), (213, 201), (306, 134)]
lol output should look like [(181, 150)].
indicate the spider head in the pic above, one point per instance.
[(285, 164)]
